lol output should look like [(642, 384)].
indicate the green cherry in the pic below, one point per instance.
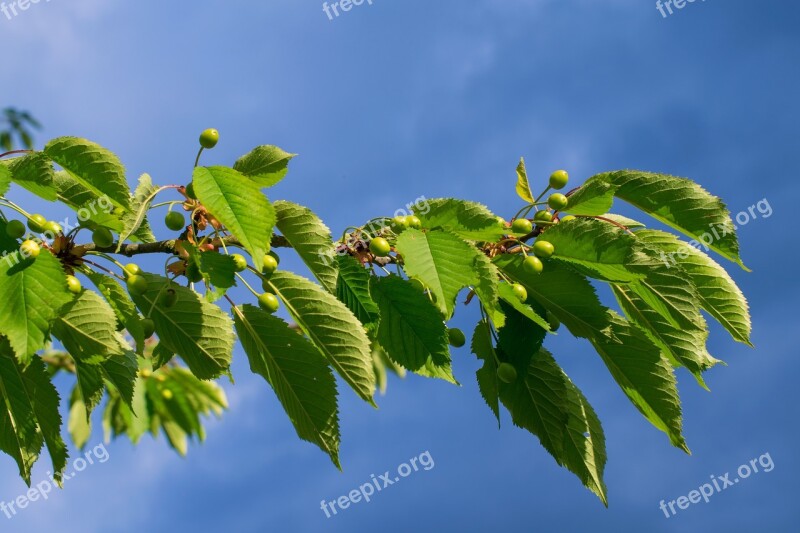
[(174, 221), (270, 265), (543, 216), (209, 138), (30, 249), (557, 201), (456, 337), (190, 192), (193, 273), (148, 327), (54, 228), (73, 285), (507, 373), (413, 221), (37, 223), (131, 269), (543, 249), (532, 265), (567, 218), (137, 285), (520, 292), (239, 262), (380, 247), (168, 298), (559, 179), (399, 224), (268, 302), (15, 229), (522, 225), (102, 237)]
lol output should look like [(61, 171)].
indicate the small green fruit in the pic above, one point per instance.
[(54, 228), (543, 216), (554, 322), (557, 201), (532, 265), (520, 292), (131, 269), (239, 262), (507, 373), (167, 394), (15, 229), (399, 224), (559, 179), (193, 273), (456, 337), (522, 225), (137, 285), (270, 265), (543, 249), (168, 298), (73, 285), (37, 223), (30, 249), (566, 218), (413, 221), (149, 328), (209, 138), (380, 247), (102, 237), (190, 192), (268, 302), (175, 221)]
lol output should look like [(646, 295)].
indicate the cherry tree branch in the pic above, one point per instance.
[(168, 247)]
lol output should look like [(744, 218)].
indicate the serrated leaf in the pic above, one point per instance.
[(266, 165), (681, 346), (545, 402), (469, 220), (297, 372), (35, 173), (508, 296), (623, 221), (5, 180), (483, 348), (219, 271), (523, 186), (92, 210), (594, 248), (718, 293), (592, 198), (310, 238), (332, 327), (681, 204), (237, 202), (32, 292), (79, 425), (200, 332), (519, 339), (352, 288), (644, 375), (440, 260), (122, 305), (564, 292), (134, 222), (29, 416), (411, 329), (93, 167)]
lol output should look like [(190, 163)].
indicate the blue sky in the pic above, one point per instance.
[(396, 100)]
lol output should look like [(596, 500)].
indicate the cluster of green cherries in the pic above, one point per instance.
[(380, 247), (31, 249)]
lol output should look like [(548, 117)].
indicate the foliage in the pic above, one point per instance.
[(148, 346)]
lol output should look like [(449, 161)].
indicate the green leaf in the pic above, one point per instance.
[(310, 238), (469, 220), (135, 221), (332, 327), (681, 346), (592, 198), (488, 383), (237, 202), (5, 180), (411, 329), (544, 401), (624, 221), (122, 305), (32, 292), (200, 332), (92, 210), (681, 204), (440, 260), (79, 425), (93, 167), (596, 249), (518, 339), (299, 375), (35, 173), (523, 186), (718, 293), (266, 165), (29, 416), (352, 288), (508, 296), (562, 291), (644, 375)]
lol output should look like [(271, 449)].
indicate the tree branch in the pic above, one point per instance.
[(168, 247)]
